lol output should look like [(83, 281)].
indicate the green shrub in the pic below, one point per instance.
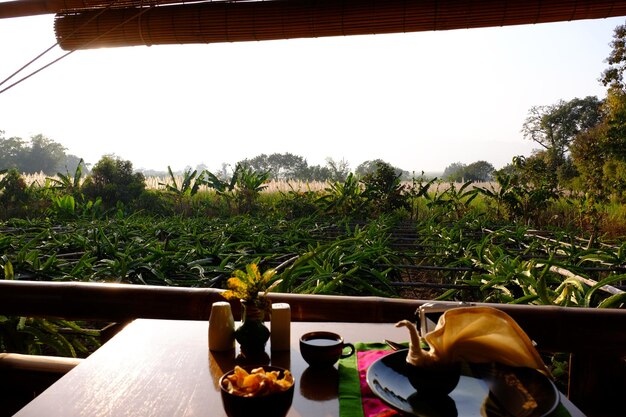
[(343, 198), (384, 190), (295, 204), (113, 180), (14, 194)]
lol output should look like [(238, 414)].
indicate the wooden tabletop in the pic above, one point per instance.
[(164, 368)]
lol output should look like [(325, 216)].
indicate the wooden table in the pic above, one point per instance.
[(164, 368)]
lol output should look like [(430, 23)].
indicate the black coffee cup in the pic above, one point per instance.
[(324, 348)]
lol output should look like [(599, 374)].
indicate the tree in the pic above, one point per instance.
[(286, 166), (339, 170), (371, 166), (481, 171), (384, 190), (616, 123), (615, 177), (367, 167), (454, 172), (589, 155), (258, 163), (283, 166), (71, 162), (112, 179), (600, 153), (535, 172), (12, 152), (613, 76), (40, 155), (555, 127), (224, 172), (317, 173), (13, 190), (45, 155)]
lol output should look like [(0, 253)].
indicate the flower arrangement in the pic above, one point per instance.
[(251, 286)]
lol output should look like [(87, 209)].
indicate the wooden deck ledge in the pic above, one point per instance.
[(554, 328), (37, 363)]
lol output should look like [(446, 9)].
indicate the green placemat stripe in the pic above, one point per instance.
[(350, 401), (350, 404)]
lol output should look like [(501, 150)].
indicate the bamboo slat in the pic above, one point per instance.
[(210, 22)]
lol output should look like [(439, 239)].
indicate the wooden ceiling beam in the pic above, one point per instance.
[(23, 8)]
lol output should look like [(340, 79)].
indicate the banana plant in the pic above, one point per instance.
[(452, 200), (63, 207), (517, 200), (419, 191), (189, 186), (68, 183), (224, 188), (249, 184), (343, 198)]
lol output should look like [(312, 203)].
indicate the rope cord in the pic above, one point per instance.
[(27, 64), (137, 15), (36, 71)]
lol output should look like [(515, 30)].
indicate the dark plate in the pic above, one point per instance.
[(482, 390)]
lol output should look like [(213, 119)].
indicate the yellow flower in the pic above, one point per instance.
[(251, 285)]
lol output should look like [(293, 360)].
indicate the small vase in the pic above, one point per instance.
[(252, 334)]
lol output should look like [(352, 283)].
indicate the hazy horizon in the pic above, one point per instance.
[(419, 101)]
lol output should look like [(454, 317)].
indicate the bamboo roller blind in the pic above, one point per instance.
[(229, 21)]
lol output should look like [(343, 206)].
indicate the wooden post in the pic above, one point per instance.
[(598, 383)]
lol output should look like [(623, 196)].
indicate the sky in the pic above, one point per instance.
[(419, 101)]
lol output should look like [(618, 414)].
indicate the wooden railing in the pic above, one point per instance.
[(595, 338)]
